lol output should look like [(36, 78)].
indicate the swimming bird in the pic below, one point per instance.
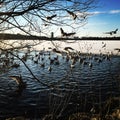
[(19, 81), (104, 45), (49, 69), (72, 66), (90, 65), (68, 48), (42, 65)]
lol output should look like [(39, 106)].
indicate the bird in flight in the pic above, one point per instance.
[(51, 17), (66, 34), (112, 32), (72, 14)]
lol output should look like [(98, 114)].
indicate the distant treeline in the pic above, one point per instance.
[(6, 36)]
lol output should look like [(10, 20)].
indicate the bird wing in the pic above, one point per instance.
[(17, 79)]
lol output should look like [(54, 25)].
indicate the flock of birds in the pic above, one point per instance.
[(74, 16), (69, 55), (63, 33), (54, 57)]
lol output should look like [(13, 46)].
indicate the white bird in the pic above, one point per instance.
[(72, 66), (49, 69), (90, 65)]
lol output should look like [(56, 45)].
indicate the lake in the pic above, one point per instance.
[(71, 89)]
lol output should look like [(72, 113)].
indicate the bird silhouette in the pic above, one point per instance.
[(104, 45), (51, 17), (68, 48), (112, 32), (66, 34), (72, 14), (118, 49)]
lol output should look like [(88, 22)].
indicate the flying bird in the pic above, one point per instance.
[(72, 14), (66, 34), (51, 17), (118, 49), (112, 32)]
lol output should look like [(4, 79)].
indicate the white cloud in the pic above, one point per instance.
[(114, 11), (105, 12), (97, 12)]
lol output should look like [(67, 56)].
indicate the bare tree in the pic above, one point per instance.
[(36, 17), (42, 16)]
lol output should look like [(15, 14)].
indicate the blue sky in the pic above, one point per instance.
[(105, 18)]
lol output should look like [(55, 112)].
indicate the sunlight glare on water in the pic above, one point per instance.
[(83, 46)]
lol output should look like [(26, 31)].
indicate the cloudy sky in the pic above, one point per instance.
[(105, 18)]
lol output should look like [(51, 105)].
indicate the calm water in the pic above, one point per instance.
[(79, 88)]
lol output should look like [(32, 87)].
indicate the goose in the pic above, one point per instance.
[(19, 81), (72, 66), (51, 17), (66, 34), (72, 14), (112, 32), (104, 45), (49, 69), (42, 65), (90, 65), (118, 49)]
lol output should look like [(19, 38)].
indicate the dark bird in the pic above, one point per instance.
[(112, 32), (55, 50), (104, 45), (68, 48), (72, 14), (66, 34), (51, 17), (118, 49)]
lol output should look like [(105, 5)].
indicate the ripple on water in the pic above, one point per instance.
[(100, 78)]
